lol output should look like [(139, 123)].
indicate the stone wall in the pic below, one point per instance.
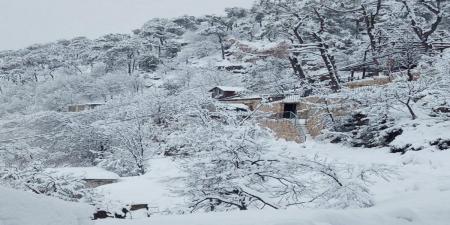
[(376, 81), (316, 112), (93, 183), (283, 128), (274, 108), (312, 109)]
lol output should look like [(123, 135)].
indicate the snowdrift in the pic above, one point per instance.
[(21, 208), (422, 208)]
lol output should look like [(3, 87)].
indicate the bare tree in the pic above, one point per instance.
[(434, 7), (407, 93), (328, 59), (135, 141)]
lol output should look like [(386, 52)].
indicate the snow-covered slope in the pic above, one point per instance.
[(407, 209), (416, 193), (21, 208)]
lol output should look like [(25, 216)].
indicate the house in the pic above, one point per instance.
[(220, 92), (93, 176), (83, 107)]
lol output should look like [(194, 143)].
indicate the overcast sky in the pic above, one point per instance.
[(25, 22)]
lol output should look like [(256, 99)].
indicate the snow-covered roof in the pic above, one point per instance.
[(229, 88), (292, 99), (88, 103), (241, 98), (234, 106), (84, 173)]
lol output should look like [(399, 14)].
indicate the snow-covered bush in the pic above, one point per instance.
[(360, 130), (36, 180), (132, 145), (231, 165)]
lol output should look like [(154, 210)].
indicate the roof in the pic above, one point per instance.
[(87, 173), (234, 106), (292, 99), (241, 98), (88, 103), (228, 88), (270, 97)]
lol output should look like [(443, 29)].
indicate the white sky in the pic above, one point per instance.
[(25, 22)]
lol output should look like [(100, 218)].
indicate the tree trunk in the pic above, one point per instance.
[(295, 62), (410, 75), (222, 48), (370, 26), (329, 63), (297, 67), (411, 111)]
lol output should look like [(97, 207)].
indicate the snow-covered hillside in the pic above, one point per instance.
[(21, 208), (410, 210), (417, 193), (189, 119)]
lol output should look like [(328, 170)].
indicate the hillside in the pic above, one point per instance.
[(337, 111), (24, 208)]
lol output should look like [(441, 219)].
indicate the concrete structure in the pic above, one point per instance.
[(93, 176)]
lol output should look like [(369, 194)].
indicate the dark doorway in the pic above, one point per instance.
[(289, 109)]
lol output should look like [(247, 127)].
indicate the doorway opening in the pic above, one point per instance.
[(289, 109)]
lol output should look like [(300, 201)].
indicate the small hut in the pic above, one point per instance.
[(83, 107), (220, 92)]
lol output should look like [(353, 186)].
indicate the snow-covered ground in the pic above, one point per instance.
[(418, 207), (21, 208), (416, 193), (83, 172), (157, 188)]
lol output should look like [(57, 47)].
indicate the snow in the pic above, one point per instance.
[(292, 99), (88, 103), (260, 45), (235, 89), (21, 208), (416, 193), (154, 188), (84, 172), (412, 209), (421, 132), (416, 189), (245, 97), (233, 106)]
